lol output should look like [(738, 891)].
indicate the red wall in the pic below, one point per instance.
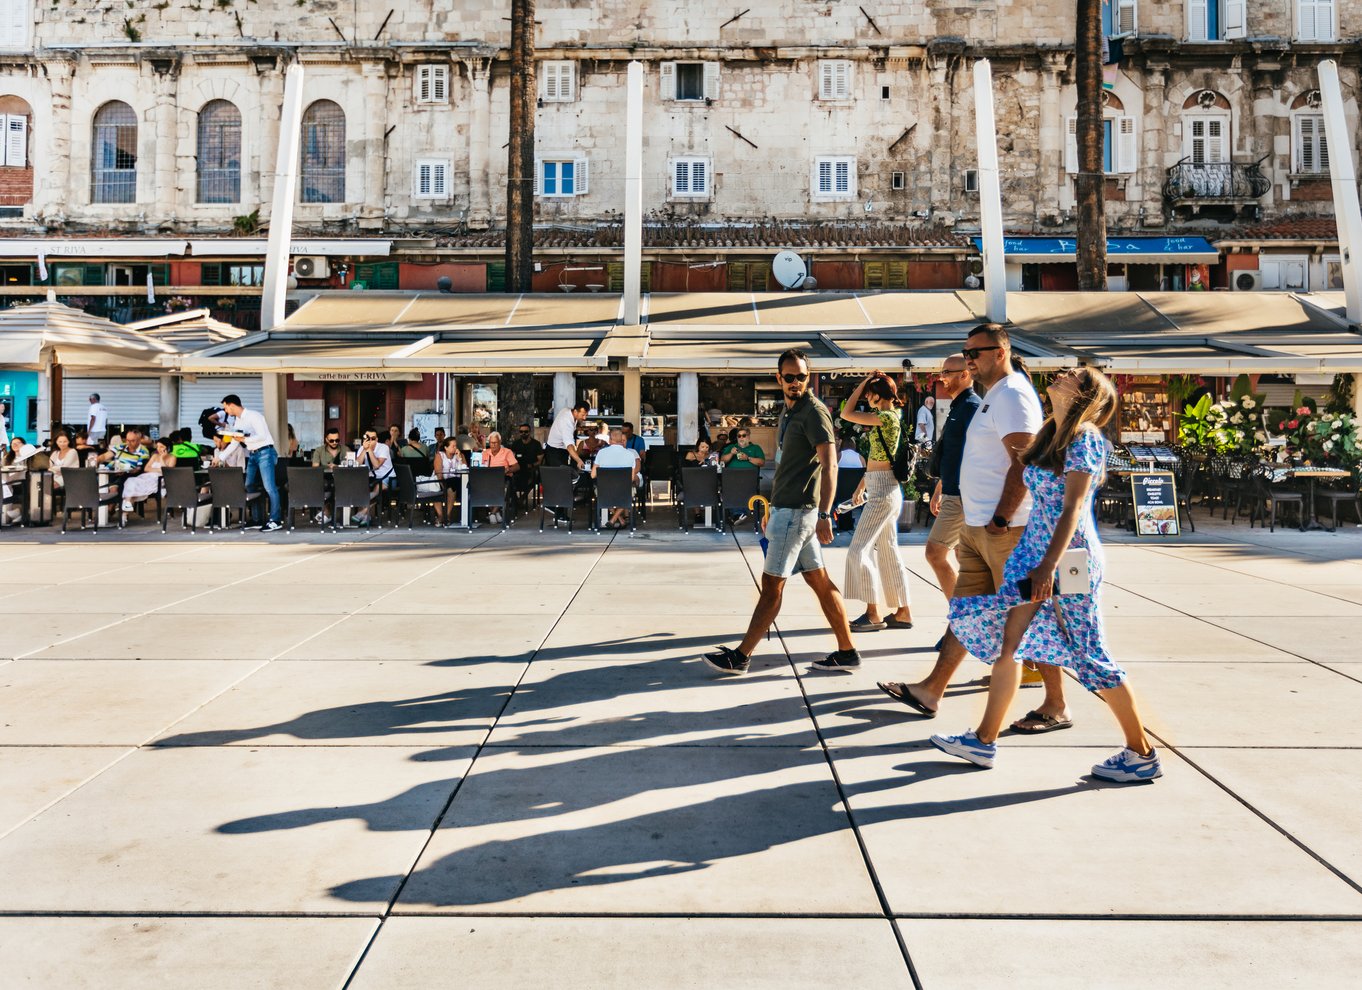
[(16, 186), (466, 277), (937, 274), (671, 277), (839, 274)]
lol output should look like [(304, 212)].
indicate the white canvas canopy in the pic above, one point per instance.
[(36, 337)]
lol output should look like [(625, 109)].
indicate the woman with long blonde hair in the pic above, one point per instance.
[(1027, 620)]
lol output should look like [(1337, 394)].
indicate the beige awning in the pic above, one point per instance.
[(32, 337)]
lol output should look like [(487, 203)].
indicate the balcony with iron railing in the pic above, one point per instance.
[(1196, 185)]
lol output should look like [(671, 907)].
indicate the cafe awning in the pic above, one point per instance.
[(34, 336), (1128, 250)]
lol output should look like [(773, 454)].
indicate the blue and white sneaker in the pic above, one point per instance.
[(1129, 767), (968, 747)]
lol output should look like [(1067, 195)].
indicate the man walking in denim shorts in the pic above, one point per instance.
[(800, 519)]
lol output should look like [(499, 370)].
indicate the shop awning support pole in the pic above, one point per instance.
[(633, 194), (990, 195), (285, 192), (1344, 175), (687, 407)]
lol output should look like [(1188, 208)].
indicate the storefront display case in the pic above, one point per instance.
[(1146, 414)]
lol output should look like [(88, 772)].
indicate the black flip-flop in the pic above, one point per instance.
[(894, 623), (905, 697), (1048, 723)]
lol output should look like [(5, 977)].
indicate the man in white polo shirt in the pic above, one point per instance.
[(98, 420), (561, 445), (617, 455), (261, 455), (996, 507)]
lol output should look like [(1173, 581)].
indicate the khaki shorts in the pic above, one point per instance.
[(982, 557), (950, 519)]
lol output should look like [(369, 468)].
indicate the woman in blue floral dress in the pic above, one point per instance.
[(1064, 465)]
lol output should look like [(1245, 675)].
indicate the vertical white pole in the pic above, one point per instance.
[(633, 194), (687, 407), (285, 191), (990, 195), (564, 391), (1347, 212)]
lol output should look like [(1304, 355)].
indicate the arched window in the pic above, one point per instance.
[(323, 154), (219, 153), (113, 166)]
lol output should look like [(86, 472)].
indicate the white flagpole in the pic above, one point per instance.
[(990, 195), (633, 194), (285, 191), (1347, 212)]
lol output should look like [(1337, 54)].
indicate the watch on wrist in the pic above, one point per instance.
[(1000, 521), (825, 515)]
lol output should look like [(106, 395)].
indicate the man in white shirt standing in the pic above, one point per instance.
[(996, 507), (925, 430), (617, 455), (261, 455), (561, 445), (98, 417)]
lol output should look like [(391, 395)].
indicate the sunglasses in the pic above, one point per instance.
[(371, 436), (789, 379), (333, 440), (742, 436), (971, 353)]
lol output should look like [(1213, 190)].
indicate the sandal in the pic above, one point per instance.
[(1044, 723), (901, 693), (894, 623), (863, 624)]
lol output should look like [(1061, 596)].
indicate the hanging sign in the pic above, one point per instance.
[(1156, 503)]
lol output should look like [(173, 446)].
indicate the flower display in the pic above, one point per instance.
[(1319, 437)]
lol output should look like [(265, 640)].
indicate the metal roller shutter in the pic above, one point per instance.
[(130, 401), (208, 390), (1276, 396)]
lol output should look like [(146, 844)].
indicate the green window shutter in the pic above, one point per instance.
[(896, 275), (760, 280), (210, 273), (92, 275), (160, 274), (645, 280), (737, 276), (496, 276), (377, 276), (614, 276), (874, 274)]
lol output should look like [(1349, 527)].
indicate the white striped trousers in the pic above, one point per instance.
[(875, 574)]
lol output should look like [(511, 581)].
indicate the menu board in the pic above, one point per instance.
[(1156, 503)]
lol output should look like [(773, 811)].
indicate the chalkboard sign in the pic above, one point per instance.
[(1156, 503)]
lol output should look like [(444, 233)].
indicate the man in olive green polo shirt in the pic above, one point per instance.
[(800, 519)]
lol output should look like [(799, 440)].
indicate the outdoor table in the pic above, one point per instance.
[(465, 515), (19, 473), (1310, 474)]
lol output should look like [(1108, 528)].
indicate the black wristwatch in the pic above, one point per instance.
[(999, 521), (825, 515)]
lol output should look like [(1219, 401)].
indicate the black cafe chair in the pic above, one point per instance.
[(82, 493), (228, 485), (306, 492), (487, 490), (614, 490), (410, 497), (659, 464), (699, 490), (1348, 494), (181, 491), (736, 490), (351, 491), (556, 494)]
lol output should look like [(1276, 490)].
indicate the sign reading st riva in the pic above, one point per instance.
[(357, 376)]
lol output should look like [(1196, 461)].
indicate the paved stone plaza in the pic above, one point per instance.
[(400, 760)]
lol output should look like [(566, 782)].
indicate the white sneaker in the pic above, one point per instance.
[(127, 505)]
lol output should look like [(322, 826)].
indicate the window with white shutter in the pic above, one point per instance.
[(1234, 18), (1207, 138), (430, 178), (1120, 148), (432, 84), (16, 140), (834, 79), (834, 177), (16, 19), (1071, 145), (1125, 21), (557, 82), (1315, 20), (690, 178), (561, 177), (1312, 149), (1216, 20)]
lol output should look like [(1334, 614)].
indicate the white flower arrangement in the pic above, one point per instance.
[(1247, 402)]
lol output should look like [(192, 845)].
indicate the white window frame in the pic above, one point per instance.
[(1316, 139), (835, 76), (829, 167), (431, 82), (438, 187), (16, 25), (14, 147), (1190, 119), (1316, 20), (580, 176), (674, 167), (1275, 269), (668, 76), (1125, 155), (1125, 20), (1233, 17), (558, 81)]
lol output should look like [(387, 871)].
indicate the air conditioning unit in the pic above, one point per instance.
[(1247, 281), (311, 266)]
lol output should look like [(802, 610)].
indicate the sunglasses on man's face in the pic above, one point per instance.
[(371, 436), (972, 353), (332, 441), (790, 379), (742, 436)]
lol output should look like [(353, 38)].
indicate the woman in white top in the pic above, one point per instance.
[(449, 463), (148, 483), (63, 456), (850, 456)]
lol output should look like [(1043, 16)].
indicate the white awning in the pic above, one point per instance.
[(254, 247), (93, 247)]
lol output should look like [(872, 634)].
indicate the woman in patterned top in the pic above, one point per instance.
[(1064, 466), (874, 574)]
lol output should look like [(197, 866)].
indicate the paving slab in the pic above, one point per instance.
[(935, 827), (354, 703), (232, 830), (119, 704), (635, 633), (21, 638), (251, 599), (202, 953), (1312, 794), (1325, 641), (1230, 600), (32, 777), (629, 953), (1248, 704), (109, 597), (166, 636), (201, 574), (654, 702), (1184, 638), (678, 601), (399, 636), (660, 830), (468, 599), (1181, 955)]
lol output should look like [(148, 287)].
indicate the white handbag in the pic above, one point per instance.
[(1072, 576)]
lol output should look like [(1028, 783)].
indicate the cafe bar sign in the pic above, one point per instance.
[(357, 376)]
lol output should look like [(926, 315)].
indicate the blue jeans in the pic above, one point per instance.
[(260, 471)]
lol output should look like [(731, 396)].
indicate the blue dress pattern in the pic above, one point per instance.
[(978, 621)]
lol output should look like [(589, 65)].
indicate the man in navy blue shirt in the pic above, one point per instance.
[(945, 504), (634, 442)]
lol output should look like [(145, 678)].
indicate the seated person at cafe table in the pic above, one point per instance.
[(742, 452), (128, 456), (329, 454), (498, 456), (633, 441), (701, 456), (449, 464), (413, 447), (229, 453), (528, 452), (148, 483), (617, 455)]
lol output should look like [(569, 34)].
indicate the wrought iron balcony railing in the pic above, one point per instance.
[(1216, 180)]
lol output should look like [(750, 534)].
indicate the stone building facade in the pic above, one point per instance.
[(809, 110)]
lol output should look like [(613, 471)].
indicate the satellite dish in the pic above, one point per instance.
[(789, 270)]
